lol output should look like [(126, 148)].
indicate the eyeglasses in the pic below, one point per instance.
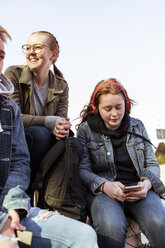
[(36, 48)]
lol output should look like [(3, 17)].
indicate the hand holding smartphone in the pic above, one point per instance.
[(132, 188)]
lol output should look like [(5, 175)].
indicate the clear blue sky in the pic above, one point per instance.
[(99, 39)]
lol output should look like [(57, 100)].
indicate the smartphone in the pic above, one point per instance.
[(24, 238), (132, 188)]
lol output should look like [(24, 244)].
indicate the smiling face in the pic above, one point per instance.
[(44, 59), (2, 55), (112, 109)]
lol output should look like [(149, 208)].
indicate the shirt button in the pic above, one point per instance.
[(108, 153)]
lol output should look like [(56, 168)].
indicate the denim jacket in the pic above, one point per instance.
[(97, 165), (14, 160)]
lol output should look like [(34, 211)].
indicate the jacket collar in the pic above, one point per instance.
[(133, 122), (27, 78)]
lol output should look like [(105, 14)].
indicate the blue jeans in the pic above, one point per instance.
[(109, 220), (39, 140), (52, 230)]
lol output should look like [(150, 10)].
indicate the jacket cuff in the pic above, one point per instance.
[(20, 204), (156, 182), (50, 121), (96, 184)]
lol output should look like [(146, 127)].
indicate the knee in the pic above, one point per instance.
[(104, 222), (36, 132), (108, 218), (89, 237), (107, 226), (159, 223), (39, 137)]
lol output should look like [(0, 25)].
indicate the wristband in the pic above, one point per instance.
[(102, 187)]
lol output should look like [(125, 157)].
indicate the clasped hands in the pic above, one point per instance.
[(61, 127)]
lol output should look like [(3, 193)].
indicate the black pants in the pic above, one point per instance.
[(39, 140)]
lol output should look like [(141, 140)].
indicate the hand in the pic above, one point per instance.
[(115, 190), (61, 127), (141, 194), (8, 244), (15, 220), (12, 223)]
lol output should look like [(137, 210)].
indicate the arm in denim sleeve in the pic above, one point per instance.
[(150, 161), (90, 179), (13, 194), (151, 169)]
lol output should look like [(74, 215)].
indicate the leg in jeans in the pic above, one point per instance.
[(150, 215), (52, 230), (39, 140), (109, 221)]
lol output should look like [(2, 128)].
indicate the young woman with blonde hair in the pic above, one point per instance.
[(41, 94)]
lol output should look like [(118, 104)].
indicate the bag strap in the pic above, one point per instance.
[(142, 137), (61, 147), (67, 160), (48, 161)]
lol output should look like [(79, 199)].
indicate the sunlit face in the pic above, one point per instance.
[(112, 109), (43, 60), (2, 55)]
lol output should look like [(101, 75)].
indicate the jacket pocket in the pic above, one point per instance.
[(94, 145), (97, 155)]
